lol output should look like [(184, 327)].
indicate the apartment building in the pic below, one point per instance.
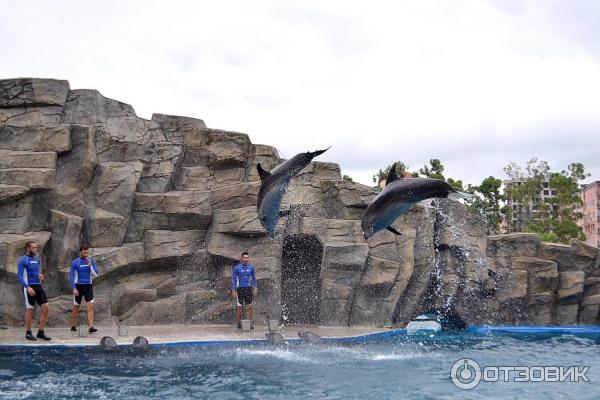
[(590, 195), (531, 207)]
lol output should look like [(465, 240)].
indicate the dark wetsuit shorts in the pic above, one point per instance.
[(40, 296), (85, 290), (244, 296)]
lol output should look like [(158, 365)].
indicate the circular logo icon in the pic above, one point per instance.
[(465, 373)]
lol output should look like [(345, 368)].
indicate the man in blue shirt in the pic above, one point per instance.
[(243, 287), (83, 269), (30, 276)]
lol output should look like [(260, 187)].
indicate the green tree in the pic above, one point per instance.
[(524, 190), (549, 237), (553, 218), (456, 184), (566, 203), (487, 202), (434, 170), (347, 178)]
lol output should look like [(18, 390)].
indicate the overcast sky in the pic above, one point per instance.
[(476, 84)]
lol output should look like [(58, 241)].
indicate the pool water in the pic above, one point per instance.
[(401, 367)]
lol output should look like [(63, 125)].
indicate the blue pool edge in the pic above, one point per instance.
[(477, 330)]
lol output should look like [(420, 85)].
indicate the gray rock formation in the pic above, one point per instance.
[(168, 205)]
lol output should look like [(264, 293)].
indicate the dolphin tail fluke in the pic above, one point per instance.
[(318, 152), (460, 195), (393, 230)]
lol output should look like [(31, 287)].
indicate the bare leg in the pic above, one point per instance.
[(44, 316), (90, 314), (249, 312), (74, 314), (238, 313), (28, 318)]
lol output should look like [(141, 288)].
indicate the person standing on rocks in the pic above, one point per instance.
[(30, 276), (83, 269), (243, 287)]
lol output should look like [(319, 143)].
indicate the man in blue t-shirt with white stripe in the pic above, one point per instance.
[(83, 269), (243, 287), (29, 272)]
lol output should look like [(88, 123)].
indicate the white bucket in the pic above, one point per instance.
[(82, 330), (123, 330), (246, 325), (273, 325)]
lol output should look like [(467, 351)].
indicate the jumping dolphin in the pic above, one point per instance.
[(398, 196), (275, 184)]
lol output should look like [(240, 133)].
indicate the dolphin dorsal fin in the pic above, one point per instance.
[(392, 176), (264, 174)]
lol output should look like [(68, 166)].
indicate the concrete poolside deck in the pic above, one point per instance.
[(226, 334), (165, 334)]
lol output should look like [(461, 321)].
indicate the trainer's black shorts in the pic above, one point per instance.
[(40, 296), (244, 296), (85, 290)]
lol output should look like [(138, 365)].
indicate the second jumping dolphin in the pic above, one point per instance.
[(398, 196)]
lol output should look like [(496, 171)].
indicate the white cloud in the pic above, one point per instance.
[(476, 84)]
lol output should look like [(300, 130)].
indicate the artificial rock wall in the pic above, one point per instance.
[(168, 205)]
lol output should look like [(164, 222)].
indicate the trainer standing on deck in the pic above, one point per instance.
[(243, 287), (83, 269), (29, 272)]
